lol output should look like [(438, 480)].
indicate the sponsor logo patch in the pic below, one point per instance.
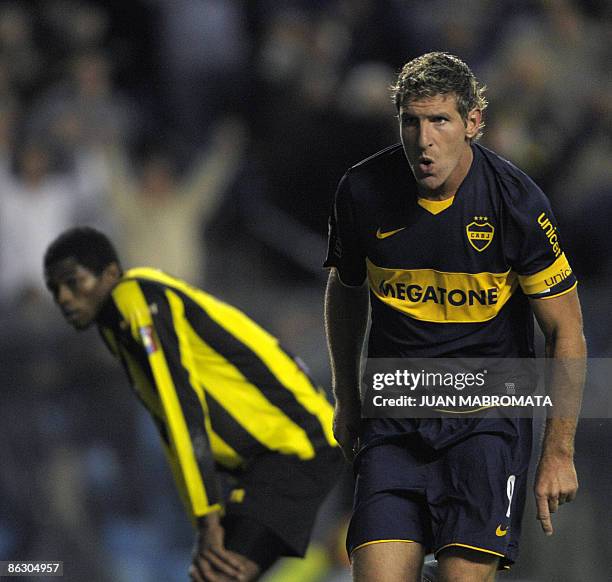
[(439, 296)]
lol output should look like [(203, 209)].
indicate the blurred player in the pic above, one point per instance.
[(224, 396), (428, 223)]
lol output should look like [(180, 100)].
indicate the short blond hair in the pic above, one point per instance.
[(440, 73)]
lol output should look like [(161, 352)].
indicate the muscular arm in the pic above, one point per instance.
[(346, 318), (561, 322)]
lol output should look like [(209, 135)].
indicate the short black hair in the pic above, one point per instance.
[(89, 247)]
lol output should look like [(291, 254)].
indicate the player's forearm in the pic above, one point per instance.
[(346, 318), (566, 350), (210, 520)]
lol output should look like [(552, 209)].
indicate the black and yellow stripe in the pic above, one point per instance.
[(219, 387)]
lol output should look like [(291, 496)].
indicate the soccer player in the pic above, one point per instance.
[(427, 224), (224, 396)]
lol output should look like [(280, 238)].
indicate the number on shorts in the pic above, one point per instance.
[(510, 492)]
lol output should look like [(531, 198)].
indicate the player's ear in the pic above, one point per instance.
[(472, 123), (112, 272)]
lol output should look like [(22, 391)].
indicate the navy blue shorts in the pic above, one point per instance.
[(470, 493)]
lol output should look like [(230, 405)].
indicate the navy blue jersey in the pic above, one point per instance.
[(449, 278)]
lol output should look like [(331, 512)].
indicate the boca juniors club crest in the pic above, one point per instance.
[(480, 233)]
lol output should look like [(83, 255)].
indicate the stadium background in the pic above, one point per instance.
[(209, 135)]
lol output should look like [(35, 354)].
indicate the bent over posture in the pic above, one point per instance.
[(459, 249), (224, 396)]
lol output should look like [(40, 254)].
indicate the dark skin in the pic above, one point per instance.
[(80, 295), (78, 292), (212, 562)]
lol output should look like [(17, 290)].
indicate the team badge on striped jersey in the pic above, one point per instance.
[(480, 233), (148, 338)]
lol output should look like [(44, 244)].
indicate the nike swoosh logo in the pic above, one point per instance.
[(499, 532), (382, 235)]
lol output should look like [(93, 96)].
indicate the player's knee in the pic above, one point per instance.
[(465, 565)]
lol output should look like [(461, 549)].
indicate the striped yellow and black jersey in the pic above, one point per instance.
[(449, 278), (220, 389)]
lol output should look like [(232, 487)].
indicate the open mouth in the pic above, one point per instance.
[(425, 165)]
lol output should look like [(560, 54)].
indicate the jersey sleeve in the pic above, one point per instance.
[(344, 250), (533, 245), (183, 403)]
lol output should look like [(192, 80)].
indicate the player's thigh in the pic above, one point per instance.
[(388, 561), (387, 537), (458, 564)]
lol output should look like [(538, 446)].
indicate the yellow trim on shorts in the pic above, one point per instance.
[(380, 542), (469, 548)]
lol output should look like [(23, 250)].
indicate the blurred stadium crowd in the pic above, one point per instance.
[(207, 137)]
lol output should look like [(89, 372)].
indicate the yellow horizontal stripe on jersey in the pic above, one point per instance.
[(546, 278), (442, 297), (244, 401), (133, 306)]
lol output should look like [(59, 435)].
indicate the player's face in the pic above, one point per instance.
[(78, 292), (436, 143)]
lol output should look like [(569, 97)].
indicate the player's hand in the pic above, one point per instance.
[(211, 561), (556, 483), (347, 422)]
